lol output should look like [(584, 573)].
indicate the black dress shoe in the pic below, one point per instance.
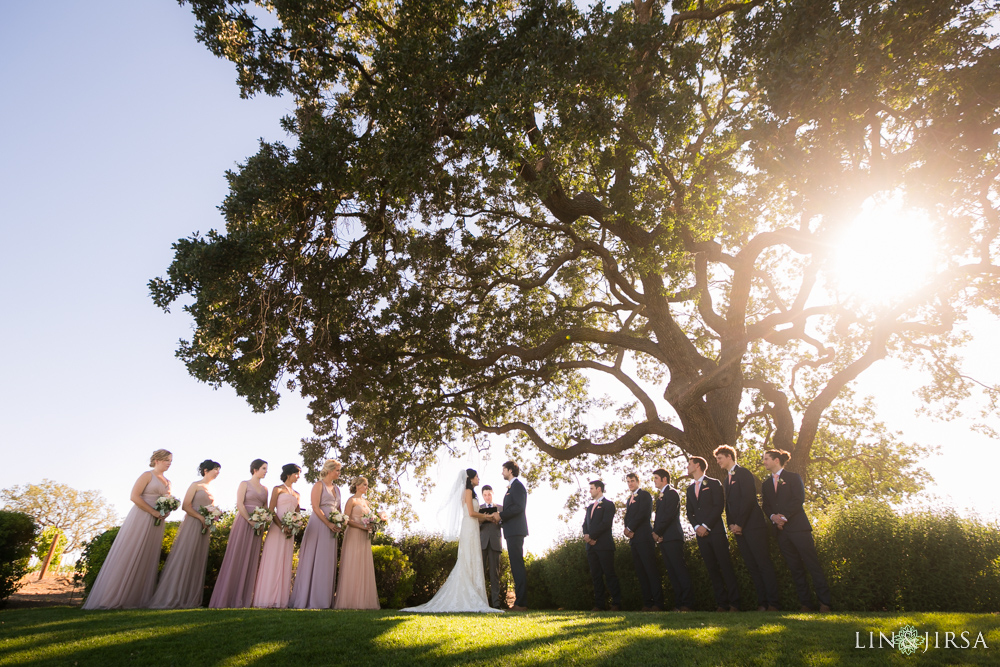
[(685, 609), (733, 608), (762, 608), (596, 609), (805, 610), (655, 608), (615, 607), (722, 609), (771, 607), (645, 609), (825, 609)]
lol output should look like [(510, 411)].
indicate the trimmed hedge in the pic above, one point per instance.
[(394, 578), (874, 560), (17, 538)]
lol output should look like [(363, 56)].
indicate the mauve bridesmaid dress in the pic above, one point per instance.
[(316, 575), (182, 582), (234, 587), (274, 576), (127, 579), (356, 589)]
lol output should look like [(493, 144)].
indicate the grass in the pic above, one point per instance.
[(70, 636)]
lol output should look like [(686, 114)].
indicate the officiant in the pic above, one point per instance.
[(489, 534)]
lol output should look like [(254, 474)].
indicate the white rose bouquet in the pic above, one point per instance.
[(165, 505)]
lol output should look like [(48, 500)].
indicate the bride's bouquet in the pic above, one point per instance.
[(260, 518), (211, 515), (339, 519), (375, 520), (294, 522), (165, 505)]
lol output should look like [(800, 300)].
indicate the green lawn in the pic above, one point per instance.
[(69, 636)]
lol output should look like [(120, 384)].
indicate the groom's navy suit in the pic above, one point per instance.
[(705, 508), (667, 525), (601, 556), (795, 540), (515, 528), (742, 510), (638, 513)]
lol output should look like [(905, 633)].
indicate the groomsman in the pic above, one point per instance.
[(639, 531), (489, 535), (747, 524), (667, 532), (601, 547), (783, 494), (705, 501)]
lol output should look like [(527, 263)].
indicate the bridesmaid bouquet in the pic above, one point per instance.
[(212, 515), (338, 519), (375, 520), (295, 522), (165, 505), (260, 518)]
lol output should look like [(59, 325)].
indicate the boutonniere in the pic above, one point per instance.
[(781, 481)]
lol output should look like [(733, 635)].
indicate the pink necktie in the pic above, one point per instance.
[(775, 483), (592, 508), (697, 488)]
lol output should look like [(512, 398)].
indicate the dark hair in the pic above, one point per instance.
[(779, 454), (206, 465), (702, 463), (288, 470), (256, 465), (599, 484), (513, 468), (725, 449), (632, 475), (487, 487), (662, 474), (469, 474)]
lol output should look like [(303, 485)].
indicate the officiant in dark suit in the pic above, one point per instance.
[(639, 531), (597, 521), (706, 500), (667, 532), (489, 535), (783, 493), (746, 523)]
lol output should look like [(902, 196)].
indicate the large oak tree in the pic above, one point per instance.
[(484, 206)]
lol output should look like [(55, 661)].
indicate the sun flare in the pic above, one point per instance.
[(885, 254)]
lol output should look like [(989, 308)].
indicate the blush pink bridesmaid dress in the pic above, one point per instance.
[(356, 589), (127, 579), (274, 576), (182, 582)]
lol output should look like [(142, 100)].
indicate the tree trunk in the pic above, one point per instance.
[(48, 557)]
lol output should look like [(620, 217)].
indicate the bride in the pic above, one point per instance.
[(465, 588)]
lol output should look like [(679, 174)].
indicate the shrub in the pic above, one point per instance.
[(17, 537), (216, 552), (92, 557), (432, 559), (394, 577)]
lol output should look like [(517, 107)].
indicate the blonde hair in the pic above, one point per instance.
[(159, 455), (356, 482), (328, 466)]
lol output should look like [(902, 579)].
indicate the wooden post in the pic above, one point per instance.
[(48, 557)]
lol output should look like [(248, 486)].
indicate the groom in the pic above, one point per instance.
[(515, 527)]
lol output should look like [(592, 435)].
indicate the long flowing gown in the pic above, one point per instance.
[(356, 588), (465, 588), (234, 586), (127, 579), (182, 582), (274, 576), (316, 575)]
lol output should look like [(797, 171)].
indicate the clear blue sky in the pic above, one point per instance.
[(117, 129)]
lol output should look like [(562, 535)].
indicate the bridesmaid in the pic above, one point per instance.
[(182, 582), (234, 587), (128, 577), (356, 589), (316, 576), (274, 577)]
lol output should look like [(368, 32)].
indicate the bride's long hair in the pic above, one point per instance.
[(470, 474)]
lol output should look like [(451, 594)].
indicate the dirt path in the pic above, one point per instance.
[(53, 590)]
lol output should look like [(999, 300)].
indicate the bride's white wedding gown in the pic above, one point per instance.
[(465, 588)]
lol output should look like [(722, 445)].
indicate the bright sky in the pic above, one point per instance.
[(118, 127)]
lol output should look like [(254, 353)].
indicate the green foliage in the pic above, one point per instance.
[(432, 559), (17, 537), (79, 514), (41, 551), (393, 576), (88, 565)]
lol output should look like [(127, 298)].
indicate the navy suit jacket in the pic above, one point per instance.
[(667, 522), (787, 500), (638, 513), (707, 507), (599, 528), (741, 500), (512, 518)]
